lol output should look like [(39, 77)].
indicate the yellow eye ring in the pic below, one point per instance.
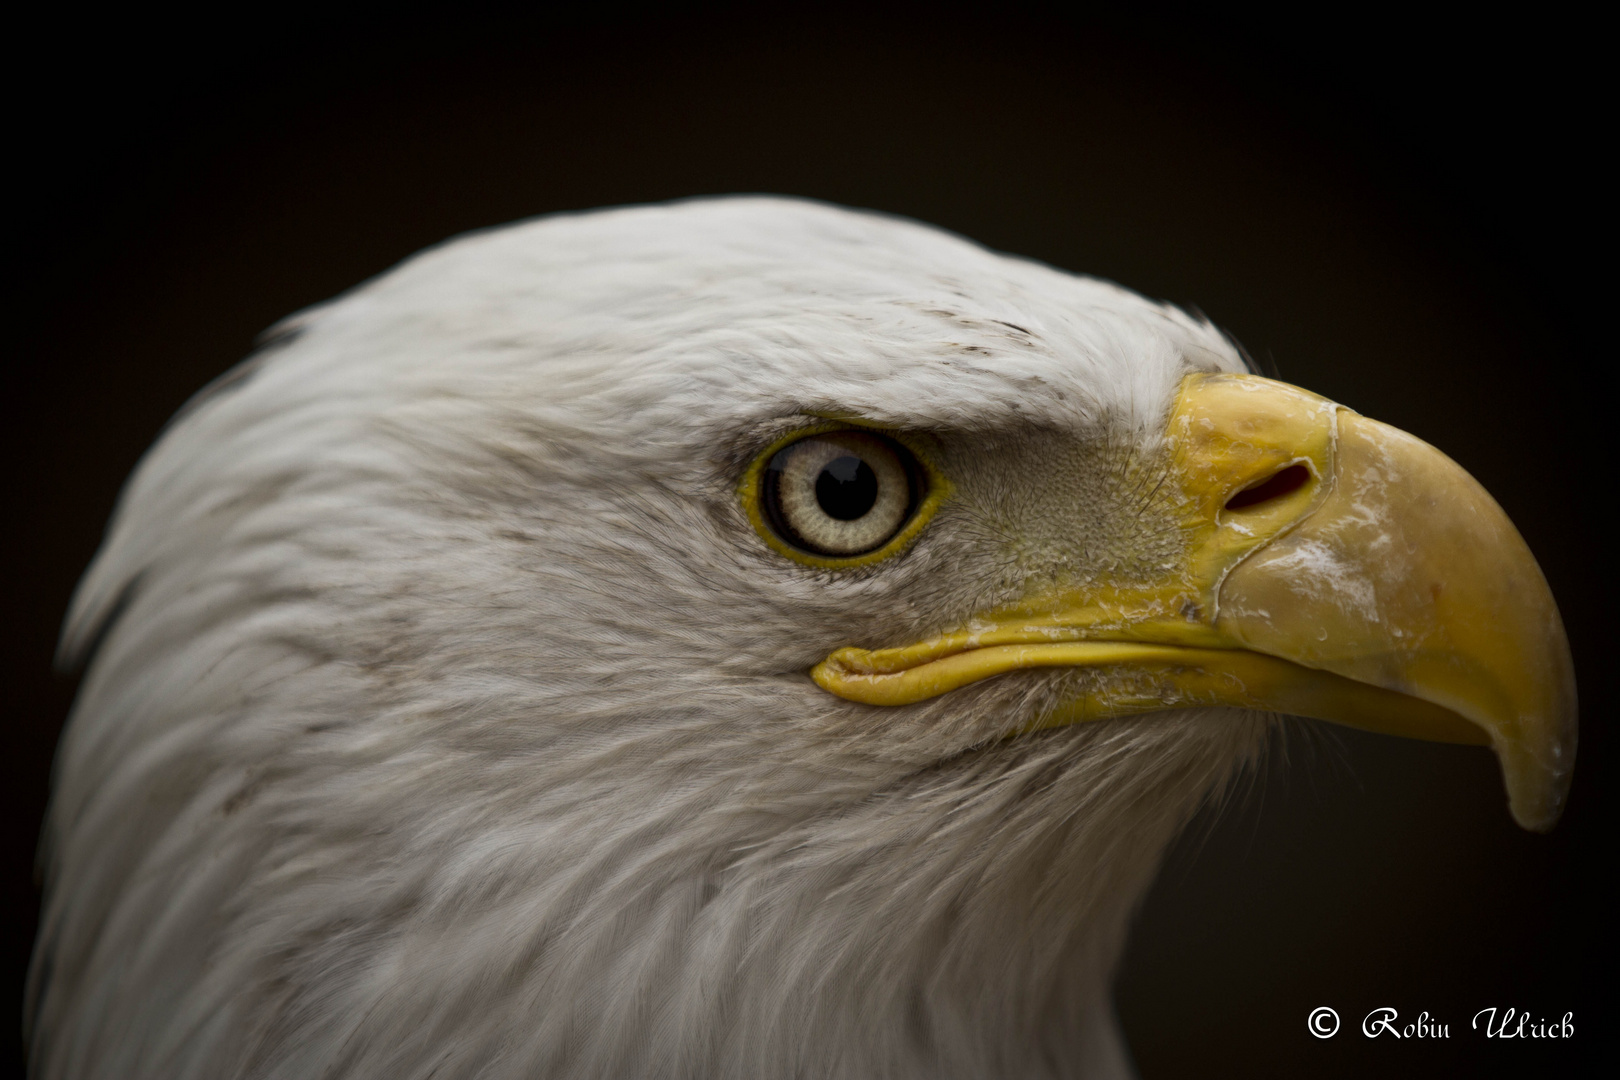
[(931, 488)]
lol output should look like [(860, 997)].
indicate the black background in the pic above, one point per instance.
[(1401, 216)]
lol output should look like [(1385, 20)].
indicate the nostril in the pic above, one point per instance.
[(1275, 486)]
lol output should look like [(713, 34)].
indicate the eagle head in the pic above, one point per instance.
[(737, 638)]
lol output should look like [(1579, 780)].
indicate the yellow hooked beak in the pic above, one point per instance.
[(1334, 567)]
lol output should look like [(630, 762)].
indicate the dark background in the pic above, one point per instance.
[(1401, 216)]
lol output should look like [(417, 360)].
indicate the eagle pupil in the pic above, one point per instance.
[(846, 488)]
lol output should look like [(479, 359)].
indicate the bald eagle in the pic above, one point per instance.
[(737, 638)]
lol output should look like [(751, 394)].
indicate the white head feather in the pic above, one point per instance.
[(448, 717)]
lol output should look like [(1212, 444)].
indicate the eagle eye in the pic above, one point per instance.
[(840, 493)]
